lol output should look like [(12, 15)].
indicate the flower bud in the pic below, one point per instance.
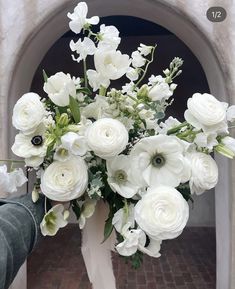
[(143, 91), (63, 120), (35, 195)]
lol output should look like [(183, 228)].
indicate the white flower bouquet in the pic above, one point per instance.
[(90, 142)]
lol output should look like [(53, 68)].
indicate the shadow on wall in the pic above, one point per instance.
[(134, 31)]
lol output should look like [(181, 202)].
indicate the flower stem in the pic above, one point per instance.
[(84, 72), (45, 205), (102, 90), (176, 128)]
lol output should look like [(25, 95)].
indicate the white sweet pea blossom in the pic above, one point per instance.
[(162, 213), (203, 140), (168, 124), (132, 240), (74, 143), (111, 64), (107, 137), (152, 249), (158, 160), (155, 79), (160, 91), (137, 59), (145, 49), (9, 182), (96, 79), (122, 217), (108, 37), (204, 172), (83, 48), (79, 18), (206, 112), (231, 113), (28, 113), (132, 74), (53, 221), (65, 181), (120, 178), (32, 147), (97, 109), (59, 87)]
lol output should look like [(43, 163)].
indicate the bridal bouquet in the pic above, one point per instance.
[(90, 142)]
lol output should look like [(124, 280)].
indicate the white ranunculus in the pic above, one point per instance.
[(160, 91), (206, 112), (96, 80), (83, 48), (204, 172), (30, 146), (108, 37), (107, 137), (162, 213), (65, 181), (74, 143), (120, 178), (28, 113), (59, 87), (79, 18), (111, 64), (53, 221), (137, 59), (158, 160)]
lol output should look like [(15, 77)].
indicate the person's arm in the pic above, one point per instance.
[(19, 232)]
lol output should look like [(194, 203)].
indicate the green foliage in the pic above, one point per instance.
[(75, 109), (45, 77), (185, 192)]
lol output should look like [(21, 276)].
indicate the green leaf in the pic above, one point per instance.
[(84, 90), (45, 77), (75, 109), (108, 228)]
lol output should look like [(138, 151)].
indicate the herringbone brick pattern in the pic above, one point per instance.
[(187, 262)]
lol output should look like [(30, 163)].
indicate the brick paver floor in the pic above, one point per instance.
[(187, 262)]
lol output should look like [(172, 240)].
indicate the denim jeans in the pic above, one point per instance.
[(19, 233)]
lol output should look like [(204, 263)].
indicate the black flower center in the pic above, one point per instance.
[(37, 140), (158, 161)]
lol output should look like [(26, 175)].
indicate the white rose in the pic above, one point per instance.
[(204, 172), (65, 181), (28, 113), (206, 112), (162, 213), (107, 137), (59, 87), (111, 64)]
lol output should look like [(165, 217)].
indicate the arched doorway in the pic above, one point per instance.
[(174, 19)]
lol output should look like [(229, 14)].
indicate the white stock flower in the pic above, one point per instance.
[(204, 172), (28, 113), (65, 181), (83, 48), (132, 74), (10, 181), (74, 143), (79, 18), (206, 112), (162, 213), (53, 221), (158, 160), (111, 64), (137, 59), (96, 79), (59, 87), (30, 146), (231, 113), (122, 217), (107, 137), (120, 178), (160, 91), (145, 49), (109, 37)]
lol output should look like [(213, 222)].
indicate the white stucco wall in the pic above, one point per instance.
[(28, 28)]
